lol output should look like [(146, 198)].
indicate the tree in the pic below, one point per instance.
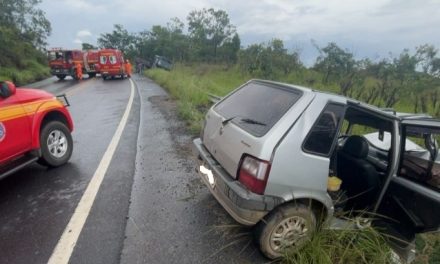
[(119, 39), (229, 50), (87, 46), (428, 60), (334, 62), (269, 60), (28, 21), (208, 30)]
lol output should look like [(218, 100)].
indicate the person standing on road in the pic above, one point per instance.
[(78, 69), (128, 68)]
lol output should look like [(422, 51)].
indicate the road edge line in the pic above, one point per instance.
[(66, 244)]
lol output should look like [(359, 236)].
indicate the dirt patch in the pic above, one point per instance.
[(182, 140), (177, 128)]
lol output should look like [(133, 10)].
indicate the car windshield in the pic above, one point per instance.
[(257, 103)]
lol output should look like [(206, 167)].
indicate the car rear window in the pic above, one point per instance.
[(256, 107)]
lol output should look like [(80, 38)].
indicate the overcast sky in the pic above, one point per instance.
[(367, 28)]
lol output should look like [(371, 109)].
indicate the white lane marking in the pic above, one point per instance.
[(67, 242)]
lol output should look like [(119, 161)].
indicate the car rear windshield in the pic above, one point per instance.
[(256, 107)]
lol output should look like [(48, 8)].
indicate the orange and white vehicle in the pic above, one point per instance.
[(62, 62), (34, 126), (111, 64)]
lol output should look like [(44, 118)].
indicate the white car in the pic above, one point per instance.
[(267, 150)]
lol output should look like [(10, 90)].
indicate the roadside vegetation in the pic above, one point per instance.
[(23, 33), (343, 246)]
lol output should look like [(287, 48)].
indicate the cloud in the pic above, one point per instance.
[(366, 27), (83, 33), (78, 41)]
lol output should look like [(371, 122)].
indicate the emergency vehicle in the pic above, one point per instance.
[(62, 62), (34, 126), (111, 64)]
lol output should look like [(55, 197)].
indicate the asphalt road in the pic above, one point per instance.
[(151, 206)]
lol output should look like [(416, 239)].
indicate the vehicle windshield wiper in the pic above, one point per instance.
[(243, 120), (224, 122), (252, 121)]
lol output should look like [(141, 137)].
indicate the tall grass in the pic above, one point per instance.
[(191, 85), (343, 246), (33, 71)]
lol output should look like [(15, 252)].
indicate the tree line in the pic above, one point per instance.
[(209, 37)]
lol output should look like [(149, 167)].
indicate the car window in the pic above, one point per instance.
[(385, 142), (103, 59), (322, 135), (263, 103), (422, 165)]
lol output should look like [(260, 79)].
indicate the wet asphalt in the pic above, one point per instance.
[(151, 206)]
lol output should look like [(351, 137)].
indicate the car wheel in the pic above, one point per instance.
[(56, 144), (287, 228), (61, 77)]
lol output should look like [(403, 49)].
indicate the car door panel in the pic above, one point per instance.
[(412, 201), (16, 137), (412, 205)]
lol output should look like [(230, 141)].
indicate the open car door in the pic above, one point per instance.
[(411, 203)]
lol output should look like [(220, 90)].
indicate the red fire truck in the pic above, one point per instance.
[(111, 63), (62, 62)]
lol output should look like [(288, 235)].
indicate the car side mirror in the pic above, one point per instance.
[(7, 89)]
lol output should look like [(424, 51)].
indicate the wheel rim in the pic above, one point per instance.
[(57, 143), (291, 232)]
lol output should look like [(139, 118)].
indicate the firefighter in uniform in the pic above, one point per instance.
[(78, 71), (128, 68)]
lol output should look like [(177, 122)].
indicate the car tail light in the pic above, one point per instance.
[(253, 173)]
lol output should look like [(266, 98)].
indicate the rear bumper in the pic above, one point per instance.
[(244, 206), (111, 72), (60, 71)]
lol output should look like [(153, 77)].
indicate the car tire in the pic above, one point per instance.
[(56, 144), (287, 228), (61, 77)]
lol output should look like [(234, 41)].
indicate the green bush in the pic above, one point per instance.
[(33, 72)]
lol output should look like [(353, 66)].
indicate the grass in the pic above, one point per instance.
[(32, 72), (191, 85), (343, 246)]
